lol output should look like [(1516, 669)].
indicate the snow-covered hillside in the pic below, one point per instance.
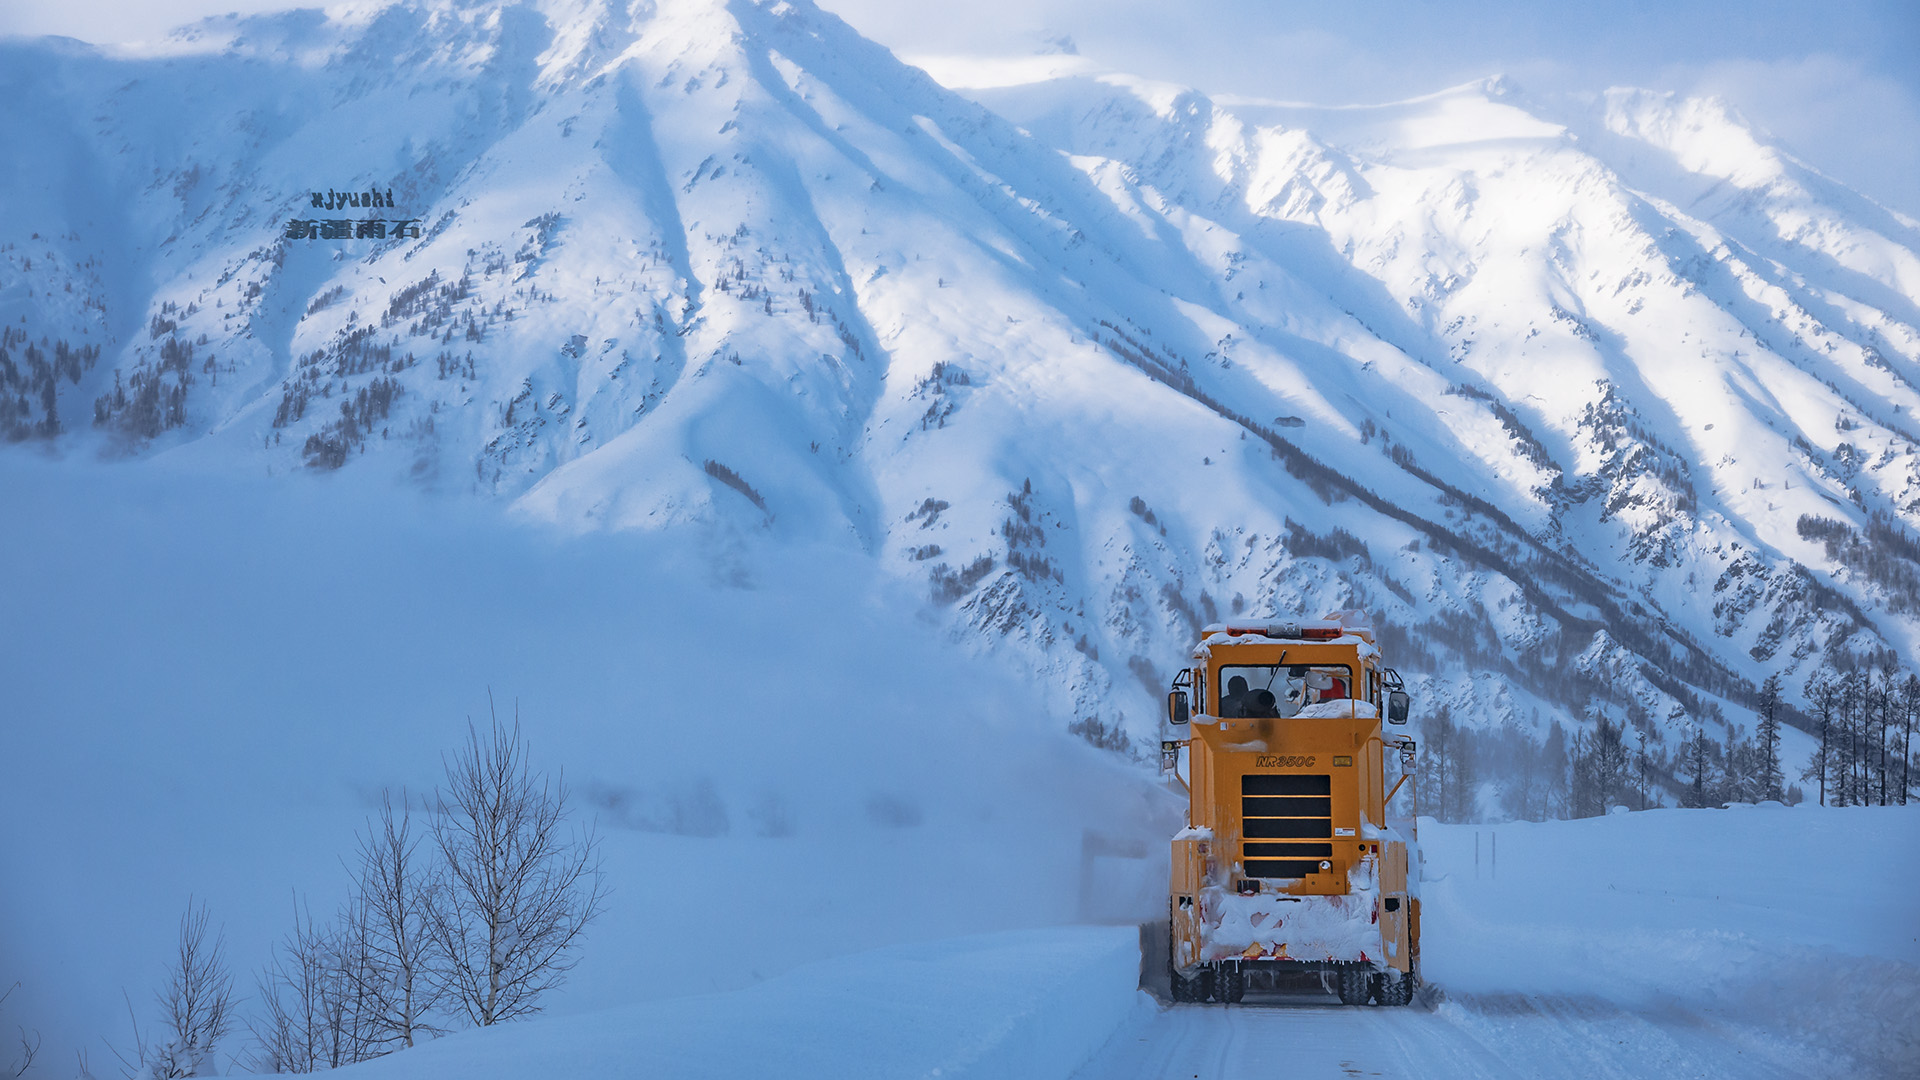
[(1603, 409)]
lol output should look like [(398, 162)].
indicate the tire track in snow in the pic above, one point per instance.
[(1504, 1037)]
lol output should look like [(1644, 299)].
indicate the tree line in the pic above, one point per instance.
[(1866, 722), (1865, 714)]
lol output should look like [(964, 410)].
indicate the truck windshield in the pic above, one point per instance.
[(1280, 690)]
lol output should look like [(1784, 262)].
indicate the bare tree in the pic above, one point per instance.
[(196, 1005), (515, 892), (356, 987), (354, 1030), (29, 1049), (295, 991), (319, 1010), (396, 908)]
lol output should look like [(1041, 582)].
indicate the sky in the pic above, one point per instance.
[(1836, 81)]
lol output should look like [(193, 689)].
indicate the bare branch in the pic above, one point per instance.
[(196, 1003), (29, 1045), (29, 1049), (316, 990), (515, 892), (395, 903)]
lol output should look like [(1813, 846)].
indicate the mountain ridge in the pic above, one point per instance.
[(730, 269)]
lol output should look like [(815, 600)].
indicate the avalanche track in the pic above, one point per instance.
[(1496, 1036)]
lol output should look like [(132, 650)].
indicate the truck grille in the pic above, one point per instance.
[(1284, 807)]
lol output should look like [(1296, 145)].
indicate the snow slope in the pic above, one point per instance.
[(1784, 931), (1548, 386), (1028, 1004)]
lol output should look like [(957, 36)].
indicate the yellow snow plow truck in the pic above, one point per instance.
[(1300, 854)]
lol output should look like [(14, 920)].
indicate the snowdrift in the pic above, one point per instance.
[(1777, 927), (1028, 1004)]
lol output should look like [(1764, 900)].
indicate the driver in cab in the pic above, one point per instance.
[(1242, 702)]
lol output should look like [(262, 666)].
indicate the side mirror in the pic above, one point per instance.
[(1177, 707), (1397, 705)]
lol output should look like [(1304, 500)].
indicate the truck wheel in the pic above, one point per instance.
[(1393, 988), (1197, 988), (1233, 984), (1356, 985)]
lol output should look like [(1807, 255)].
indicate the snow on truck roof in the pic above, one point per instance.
[(1205, 649), (1334, 627)]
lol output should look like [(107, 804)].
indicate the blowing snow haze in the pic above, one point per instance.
[(1604, 406)]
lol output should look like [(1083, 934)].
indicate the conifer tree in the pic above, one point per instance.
[(1772, 780), (1821, 691), (1910, 710), (1697, 757), (1554, 764), (1599, 768)]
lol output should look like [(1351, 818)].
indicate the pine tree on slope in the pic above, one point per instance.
[(1772, 780)]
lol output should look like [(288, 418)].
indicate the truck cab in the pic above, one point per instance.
[(1300, 853)]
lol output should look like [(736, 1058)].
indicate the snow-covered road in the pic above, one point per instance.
[(1674, 943), (1494, 1037)]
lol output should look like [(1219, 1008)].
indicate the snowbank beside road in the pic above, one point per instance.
[(1030, 1003), (1782, 925)]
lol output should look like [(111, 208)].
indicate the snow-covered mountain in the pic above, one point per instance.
[(1600, 407)]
